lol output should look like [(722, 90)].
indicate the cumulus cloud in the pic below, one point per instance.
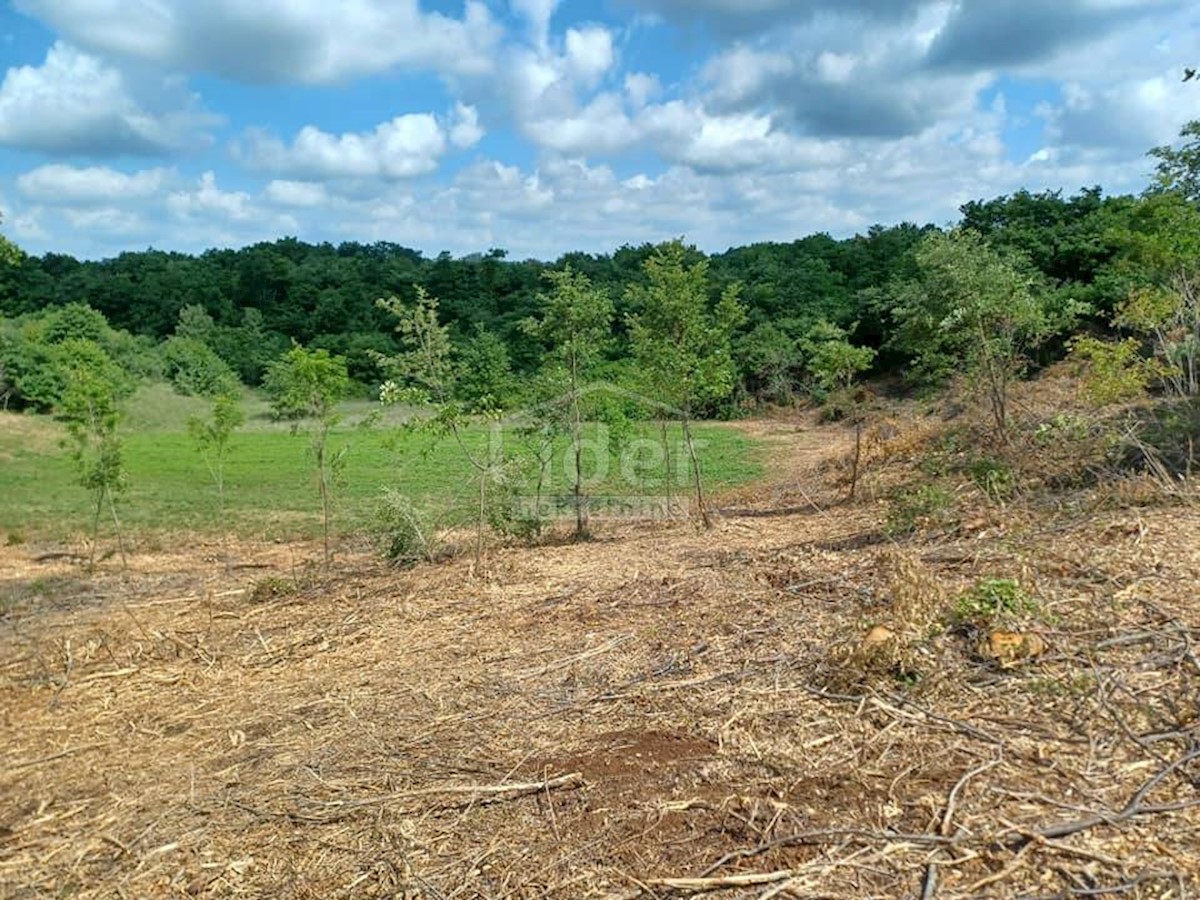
[(991, 33), (806, 115), (740, 18), (310, 41), (74, 103), (465, 130), (62, 185), (208, 200), (537, 14), (405, 147), (296, 193)]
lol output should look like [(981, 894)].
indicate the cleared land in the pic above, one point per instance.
[(659, 712)]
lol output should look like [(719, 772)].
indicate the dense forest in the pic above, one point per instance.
[(888, 294)]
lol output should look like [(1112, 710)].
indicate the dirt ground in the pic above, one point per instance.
[(659, 712)]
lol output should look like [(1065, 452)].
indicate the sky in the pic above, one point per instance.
[(542, 126)]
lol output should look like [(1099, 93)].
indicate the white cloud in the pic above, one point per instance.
[(310, 41), (296, 193), (405, 147), (641, 88), (208, 200), (465, 130), (589, 53), (537, 13), (75, 103), (61, 185)]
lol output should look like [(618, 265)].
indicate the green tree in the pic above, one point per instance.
[(1178, 167), (10, 254), (682, 343), (1162, 244), (195, 370), (308, 385), (575, 322), (484, 379), (768, 359), (212, 435), (424, 371), (89, 408), (831, 360), (976, 309), (195, 324)]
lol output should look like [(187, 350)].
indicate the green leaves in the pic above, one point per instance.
[(1178, 168), (683, 345), (975, 309), (304, 384), (832, 360), (425, 361)]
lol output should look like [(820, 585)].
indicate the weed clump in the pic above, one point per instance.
[(923, 507), (403, 533), (993, 602), (272, 588)]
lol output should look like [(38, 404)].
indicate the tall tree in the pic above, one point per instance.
[(576, 323), (683, 343), (976, 308)]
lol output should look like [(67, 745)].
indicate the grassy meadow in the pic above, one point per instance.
[(270, 483)]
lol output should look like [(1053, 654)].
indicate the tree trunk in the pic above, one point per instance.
[(858, 427), (687, 435), (112, 507), (96, 526), (581, 516), (670, 472), (482, 517)]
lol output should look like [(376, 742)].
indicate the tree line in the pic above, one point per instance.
[(248, 306)]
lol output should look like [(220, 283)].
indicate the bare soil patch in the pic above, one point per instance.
[(660, 712)]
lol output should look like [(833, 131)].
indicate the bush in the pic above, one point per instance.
[(994, 477), (404, 534), (195, 370), (994, 600), (920, 507), (1112, 372)]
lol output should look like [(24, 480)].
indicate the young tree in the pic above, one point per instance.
[(1162, 244), (683, 345), (835, 363), (576, 323), (308, 384), (89, 410), (212, 435), (831, 360), (483, 373), (425, 371), (976, 309)]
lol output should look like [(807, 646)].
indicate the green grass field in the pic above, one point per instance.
[(270, 483)]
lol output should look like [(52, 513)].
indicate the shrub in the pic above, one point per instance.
[(994, 477), (993, 600), (404, 534), (923, 506), (1112, 372), (195, 370)]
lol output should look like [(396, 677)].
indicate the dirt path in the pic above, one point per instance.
[(595, 720)]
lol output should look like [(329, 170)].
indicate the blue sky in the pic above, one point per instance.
[(542, 126)]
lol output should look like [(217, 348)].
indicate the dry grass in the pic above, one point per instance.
[(656, 713)]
